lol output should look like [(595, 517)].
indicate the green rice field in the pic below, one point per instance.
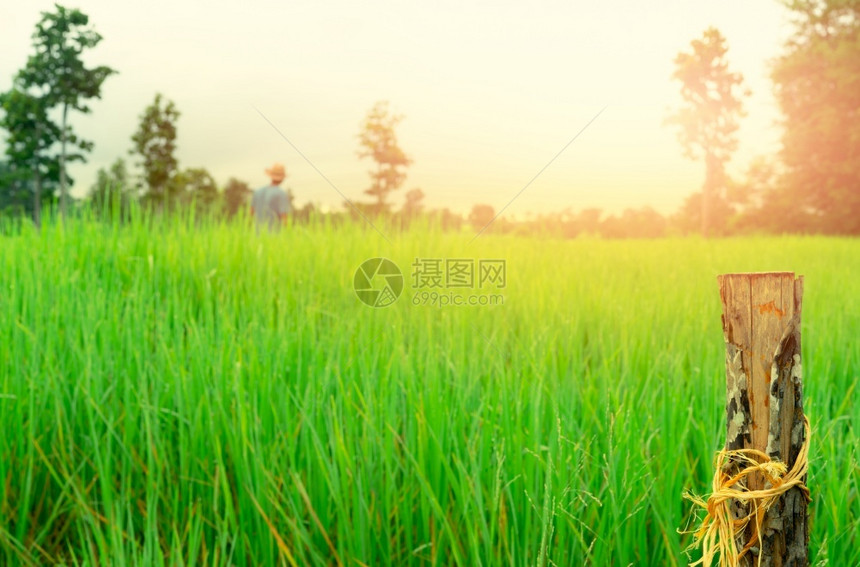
[(198, 394)]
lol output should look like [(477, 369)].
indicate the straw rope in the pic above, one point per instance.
[(719, 530)]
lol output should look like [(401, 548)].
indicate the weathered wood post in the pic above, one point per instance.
[(764, 411)]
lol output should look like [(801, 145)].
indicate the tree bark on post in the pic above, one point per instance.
[(764, 410)]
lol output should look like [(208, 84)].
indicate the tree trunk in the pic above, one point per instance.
[(37, 182), (37, 197), (63, 190), (708, 193), (380, 195), (764, 410)]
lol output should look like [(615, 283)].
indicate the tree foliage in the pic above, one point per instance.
[(817, 82), (32, 171), (414, 203), (154, 143), (481, 215), (113, 190), (194, 187), (58, 75), (708, 120), (15, 193), (236, 195), (378, 141)]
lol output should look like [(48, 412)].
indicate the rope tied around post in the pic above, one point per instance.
[(720, 530)]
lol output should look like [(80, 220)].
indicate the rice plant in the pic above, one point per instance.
[(184, 392)]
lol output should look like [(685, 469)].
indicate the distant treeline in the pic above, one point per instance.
[(230, 205), (811, 186)]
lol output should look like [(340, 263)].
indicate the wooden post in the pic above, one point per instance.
[(764, 411)]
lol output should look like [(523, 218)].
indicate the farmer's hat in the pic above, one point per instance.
[(277, 172)]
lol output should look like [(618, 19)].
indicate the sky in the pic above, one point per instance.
[(490, 92)]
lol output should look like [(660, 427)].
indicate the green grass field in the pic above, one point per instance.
[(172, 395)]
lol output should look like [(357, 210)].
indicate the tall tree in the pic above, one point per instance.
[(155, 144), (57, 71), (817, 83), (31, 134), (378, 141), (708, 120)]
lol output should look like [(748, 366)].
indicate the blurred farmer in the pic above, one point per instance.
[(270, 205)]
